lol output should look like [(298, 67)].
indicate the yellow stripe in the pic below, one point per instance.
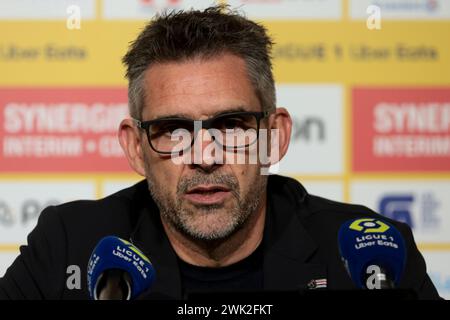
[(434, 246), (347, 176), (99, 192), (69, 176), (345, 8), (40, 177), (98, 9), (134, 177), (9, 247), (402, 176), (306, 177)]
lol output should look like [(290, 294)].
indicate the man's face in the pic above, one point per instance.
[(206, 202)]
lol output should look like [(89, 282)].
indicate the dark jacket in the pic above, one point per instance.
[(300, 243)]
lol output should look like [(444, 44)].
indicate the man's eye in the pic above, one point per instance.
[(232, 123), (167, 129)]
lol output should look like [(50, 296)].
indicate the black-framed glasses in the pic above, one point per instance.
[(231, 130)]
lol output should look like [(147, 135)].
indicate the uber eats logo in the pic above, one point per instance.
[(368, 225)]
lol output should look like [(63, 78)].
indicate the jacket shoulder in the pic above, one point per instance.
[(85, 222), (319, 212), (65, 236), (115, 208)]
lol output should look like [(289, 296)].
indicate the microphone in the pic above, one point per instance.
[(117, 270), (373, 252)]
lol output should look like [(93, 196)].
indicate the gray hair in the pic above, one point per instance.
[(183, 35)]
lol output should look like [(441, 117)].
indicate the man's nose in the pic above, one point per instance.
[(204, 150)]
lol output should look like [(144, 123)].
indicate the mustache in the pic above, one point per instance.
[(228, 180)]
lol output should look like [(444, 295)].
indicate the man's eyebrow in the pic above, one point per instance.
[(187, 117), (231, 110), (172, 116)]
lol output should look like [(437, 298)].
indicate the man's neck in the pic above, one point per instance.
[(220, 253)]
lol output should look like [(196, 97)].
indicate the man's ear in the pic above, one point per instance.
[(281, 120), (130, 141)]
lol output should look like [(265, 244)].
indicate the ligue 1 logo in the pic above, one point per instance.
[(373, 252), (368, 225), (134, 251)]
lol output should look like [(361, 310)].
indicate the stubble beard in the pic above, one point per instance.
[(208, 223)]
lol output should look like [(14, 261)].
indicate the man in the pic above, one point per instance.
[(207, 225)]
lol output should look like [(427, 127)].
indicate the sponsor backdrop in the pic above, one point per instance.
[(367, 83)]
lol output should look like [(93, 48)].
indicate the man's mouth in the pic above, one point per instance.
[(207, 194)]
